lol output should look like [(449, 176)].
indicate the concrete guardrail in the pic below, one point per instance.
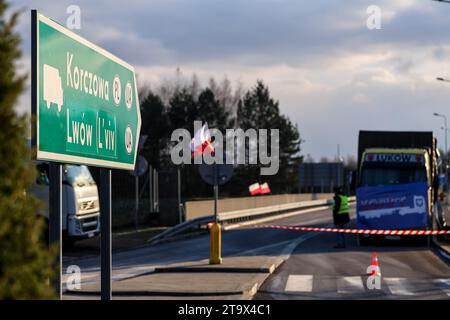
[(276, 209), (243, 215)]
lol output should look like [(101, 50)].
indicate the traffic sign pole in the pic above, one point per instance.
[(55, 170), (105, 224), (136, 203), (216, 190), (34, 88), (215, 233), (54, 225), (216, 198), (180, 208)]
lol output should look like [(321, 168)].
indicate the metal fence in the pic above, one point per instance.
[(142, 201)]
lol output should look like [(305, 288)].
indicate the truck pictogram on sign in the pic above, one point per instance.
[(53, 92)]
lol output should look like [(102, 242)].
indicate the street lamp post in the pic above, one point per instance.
[(445, 134), (443, 128), (446, 150)]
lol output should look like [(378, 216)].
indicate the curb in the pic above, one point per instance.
[(209, 269), (245, 292), (145, 293), (269, 269)]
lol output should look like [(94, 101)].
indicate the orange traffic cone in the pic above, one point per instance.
[(374, 267)]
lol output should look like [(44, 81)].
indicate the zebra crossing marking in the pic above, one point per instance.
[(398, 286), (299, 283), (348, 285), (355, 285)]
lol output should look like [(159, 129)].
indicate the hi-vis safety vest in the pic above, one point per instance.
[(343, 209)]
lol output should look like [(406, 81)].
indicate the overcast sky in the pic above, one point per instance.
[(331, 74)]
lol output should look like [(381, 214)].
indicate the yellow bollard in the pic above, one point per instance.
[(215, 244)]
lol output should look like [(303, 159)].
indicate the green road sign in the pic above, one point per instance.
[(85, 100)]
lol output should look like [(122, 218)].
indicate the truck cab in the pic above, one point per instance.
[(80, 201), (395, 189), (398, 180)]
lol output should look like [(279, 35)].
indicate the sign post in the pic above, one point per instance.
[(105, 222), (55, 220), (215, 175), (216, 190), (86, 111)]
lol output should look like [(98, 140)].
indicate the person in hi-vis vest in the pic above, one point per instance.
[(340, 214)]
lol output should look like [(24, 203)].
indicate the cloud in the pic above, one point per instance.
[(331, 74)]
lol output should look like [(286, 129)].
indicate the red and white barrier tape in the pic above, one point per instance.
[(360, 231)]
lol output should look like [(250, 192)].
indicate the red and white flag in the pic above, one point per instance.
[(201, 143), (265, 188), (254, 189)]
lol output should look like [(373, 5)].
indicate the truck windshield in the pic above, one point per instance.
[(373, 176), (78, 175)]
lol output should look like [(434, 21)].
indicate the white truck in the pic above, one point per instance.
[(80, 201)]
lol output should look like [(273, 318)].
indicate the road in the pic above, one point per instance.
[(317, 271), (234, 243), (313, 269)]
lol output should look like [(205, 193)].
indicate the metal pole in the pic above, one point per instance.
[(33, 78), (180, 213), (445, 124), (55, 169), (150, 187), (136, 202), (155, 196), (156, 190), (215, 233), (445, 171), (105, 223), (216, 191), (55, 221), (216, 197), (446, 160)]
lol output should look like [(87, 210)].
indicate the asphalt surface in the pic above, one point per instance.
[(313, 268)]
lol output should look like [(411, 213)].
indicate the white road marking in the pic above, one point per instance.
[(289, 246), (347, 285), (398, 286), (299, 283)]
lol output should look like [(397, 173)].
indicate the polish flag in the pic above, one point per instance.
[(265, 188), (254, 189), (201, 143)]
